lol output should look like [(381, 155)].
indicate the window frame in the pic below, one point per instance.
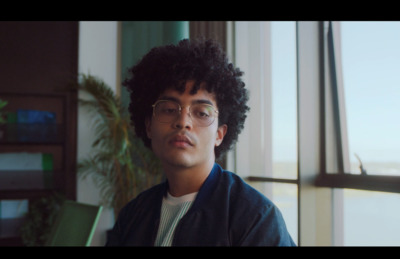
[(248, 45), (331, 83), (321, 175)]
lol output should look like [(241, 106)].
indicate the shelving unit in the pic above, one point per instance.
[(52, 139), (39, 59)]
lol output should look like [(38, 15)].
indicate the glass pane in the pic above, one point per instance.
[(284, 99), (371, 78), (371, 218), (284, 196)]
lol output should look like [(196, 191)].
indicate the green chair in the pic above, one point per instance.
[(74, 225)]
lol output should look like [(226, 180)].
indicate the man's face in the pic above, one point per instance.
[(182, 142)]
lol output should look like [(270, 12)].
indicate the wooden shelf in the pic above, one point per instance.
[(26, 194), (26, 180)]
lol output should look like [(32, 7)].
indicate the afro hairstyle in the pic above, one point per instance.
[(170, 66)]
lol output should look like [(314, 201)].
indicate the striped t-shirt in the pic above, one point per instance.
[(172, 210)]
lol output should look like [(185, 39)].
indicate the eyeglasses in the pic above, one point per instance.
[(167, 111)]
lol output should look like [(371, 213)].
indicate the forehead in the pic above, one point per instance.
[(187, 97)]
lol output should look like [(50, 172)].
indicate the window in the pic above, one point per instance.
[(284, 122), (266, 52), (363, 157), (361, 88), (284, 96), (371, 218), (344, 76), (371, 80)]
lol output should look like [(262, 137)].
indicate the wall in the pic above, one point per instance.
[(98, 55)]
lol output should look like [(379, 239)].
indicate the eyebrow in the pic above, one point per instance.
[(170, 98)]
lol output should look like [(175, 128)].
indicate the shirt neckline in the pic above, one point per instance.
[(172, 200)]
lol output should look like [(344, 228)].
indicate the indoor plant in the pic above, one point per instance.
[(40, 218), (119, 163)]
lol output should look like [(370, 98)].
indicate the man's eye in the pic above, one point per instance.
[(169, 111), (203, 114)]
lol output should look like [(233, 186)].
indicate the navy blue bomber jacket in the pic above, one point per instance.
[(226, 212)]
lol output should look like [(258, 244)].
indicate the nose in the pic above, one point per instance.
[(184, 120)]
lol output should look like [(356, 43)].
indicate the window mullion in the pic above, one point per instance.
[(315, 204), (335, 98)]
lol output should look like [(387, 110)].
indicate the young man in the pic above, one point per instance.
[(188, 104)]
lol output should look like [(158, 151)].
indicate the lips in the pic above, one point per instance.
[(181, 141)]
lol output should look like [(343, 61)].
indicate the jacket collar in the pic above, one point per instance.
[(206, 189)]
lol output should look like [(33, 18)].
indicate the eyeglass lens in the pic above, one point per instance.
[(168, 111)]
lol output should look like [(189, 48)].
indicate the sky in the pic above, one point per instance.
[(284, 91), (371, 79)]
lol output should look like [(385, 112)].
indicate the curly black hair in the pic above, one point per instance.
[(171, 66)]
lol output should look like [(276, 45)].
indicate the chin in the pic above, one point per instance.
[(179, 162)]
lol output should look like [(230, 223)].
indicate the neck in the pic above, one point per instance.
[(182, 180)]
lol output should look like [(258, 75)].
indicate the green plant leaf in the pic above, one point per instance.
[(119, 163)]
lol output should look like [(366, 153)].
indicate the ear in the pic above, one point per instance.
[(221, 132), (147, 122)]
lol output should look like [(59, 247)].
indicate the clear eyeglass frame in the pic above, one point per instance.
[(201, 114)]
